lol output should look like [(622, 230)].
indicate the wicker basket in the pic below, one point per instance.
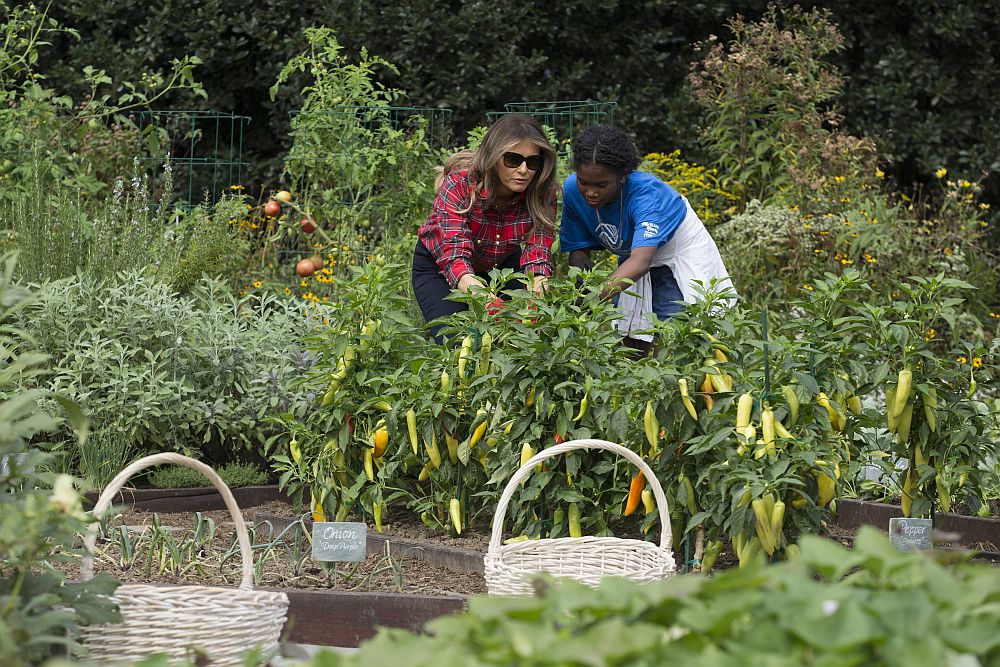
[(185, 621), (511, 567)]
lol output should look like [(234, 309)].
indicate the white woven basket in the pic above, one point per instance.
[(219, 622), (511, 567)]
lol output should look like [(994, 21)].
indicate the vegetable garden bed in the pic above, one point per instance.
[(970, 531)]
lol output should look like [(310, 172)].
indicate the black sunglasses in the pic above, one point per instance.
[(514, 160)]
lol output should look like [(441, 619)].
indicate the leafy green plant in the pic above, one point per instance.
[(103, 455), (59, 140), (40, 612), (198, 372), (752, 419), (359, 166), (235, 474), (769, 94), (204, 241), (834, 606)]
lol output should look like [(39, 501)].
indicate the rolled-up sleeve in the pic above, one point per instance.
[(447, 237)]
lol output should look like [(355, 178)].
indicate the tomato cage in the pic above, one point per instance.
[(364, 174), (204, 150), (562, 118), (352, 154)]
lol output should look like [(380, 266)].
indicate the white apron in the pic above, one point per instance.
[(691, 256)]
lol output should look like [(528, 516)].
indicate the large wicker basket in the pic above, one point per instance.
[(211, 623), (511, 567)]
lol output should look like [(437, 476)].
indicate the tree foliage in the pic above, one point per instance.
[(920, 77)]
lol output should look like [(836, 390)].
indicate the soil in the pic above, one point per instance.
[(276, 565)]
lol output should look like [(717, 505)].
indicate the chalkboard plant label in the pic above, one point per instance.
[(910, 534), (339, 541)]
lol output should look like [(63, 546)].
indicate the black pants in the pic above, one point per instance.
[(431, 287)]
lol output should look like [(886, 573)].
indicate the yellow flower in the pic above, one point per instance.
[(941, 173), (930, 335), (984, 207), (303, 283), (947, 251), (965, 184), (962, 360), (879, 173), (977, 362), (288, 291), (807, 286), (845, 261), (257, 284), (995, 315)]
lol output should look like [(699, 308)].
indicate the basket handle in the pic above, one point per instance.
[(525, 470), (115, 485)]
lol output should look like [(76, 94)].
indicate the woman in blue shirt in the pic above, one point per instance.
[(662, 245)]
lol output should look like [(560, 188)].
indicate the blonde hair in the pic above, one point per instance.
[(504, 134)]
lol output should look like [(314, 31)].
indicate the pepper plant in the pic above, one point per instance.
[(753, 422)]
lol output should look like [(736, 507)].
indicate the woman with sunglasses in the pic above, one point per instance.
[(495, 208), (662, 246)]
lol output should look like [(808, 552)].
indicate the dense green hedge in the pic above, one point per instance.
[(921, 76)]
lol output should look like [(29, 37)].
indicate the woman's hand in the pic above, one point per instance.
[(539, 283), (470, 281), (581, 258)]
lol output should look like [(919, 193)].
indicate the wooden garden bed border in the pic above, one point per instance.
[(344, 618), (852, 514), (194, 499)]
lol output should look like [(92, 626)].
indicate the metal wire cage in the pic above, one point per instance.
[(205, 150), (344, 148), (563, 117)]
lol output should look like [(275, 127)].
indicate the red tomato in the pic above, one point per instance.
[(307, 225), (305, 268), (272, 209)]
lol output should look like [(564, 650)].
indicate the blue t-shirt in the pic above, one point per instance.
[(652, 212)]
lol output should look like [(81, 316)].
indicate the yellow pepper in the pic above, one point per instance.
[(455, 512), (411, 429)]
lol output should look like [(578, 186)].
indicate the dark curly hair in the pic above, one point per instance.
[(606, 146)]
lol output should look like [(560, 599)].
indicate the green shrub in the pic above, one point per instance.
[(235, 474), (770, 96), (193, 373), (50, 137), (42, 514), (204, 242), (872, 605)]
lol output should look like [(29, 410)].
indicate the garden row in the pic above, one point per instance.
[(753, 424)]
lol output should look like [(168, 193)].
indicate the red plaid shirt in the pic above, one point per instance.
[(481, 239)]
